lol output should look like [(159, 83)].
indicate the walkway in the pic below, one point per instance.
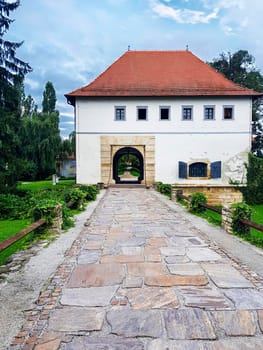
[(142, 276)]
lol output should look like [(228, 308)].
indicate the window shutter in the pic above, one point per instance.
[(216, 170), (182, 170)]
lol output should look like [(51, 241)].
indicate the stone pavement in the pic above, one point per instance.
[(142, 276)]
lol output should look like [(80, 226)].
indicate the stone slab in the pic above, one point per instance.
[(93, 245), (132, 250), (161, 344), (75, 319), (205, 298), (240, 343), (133, 282), (173, 280), (236, 323), (202, 254), (246, 299), (260, 319), (109, 342), (88, 257), (151, 298), (188, 242), (96, 275), (135, 323), (188, 324), (167, 251), (179, 259), (93, 296), (226, 276), (145, 269), (122, 259), (190, 269)]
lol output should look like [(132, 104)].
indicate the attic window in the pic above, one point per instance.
[(187, 112), (120, 113), (228, 112), (164, 113), (209, 112), (141, 113)]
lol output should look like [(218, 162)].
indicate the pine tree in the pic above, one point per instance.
[(12, 72)]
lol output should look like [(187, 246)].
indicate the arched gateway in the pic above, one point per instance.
[(128, 166)]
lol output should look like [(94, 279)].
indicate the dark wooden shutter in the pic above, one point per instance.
[(216, 170), (182, 170)]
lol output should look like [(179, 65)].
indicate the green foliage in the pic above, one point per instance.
[(90, 191), (12, 72), (49, 98), (14, 207), (164, 188), (76, 196), (241, 211), (45, 209), (253, 193), (240, 68), (196, 199)]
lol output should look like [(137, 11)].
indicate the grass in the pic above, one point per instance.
[(255, 237), (7, 229), (41, 185)]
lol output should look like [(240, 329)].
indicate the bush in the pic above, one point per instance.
[(164, 188), (13, 207), (196, 199), (76, 196), (45, 209), (241, 211), (90, 191)]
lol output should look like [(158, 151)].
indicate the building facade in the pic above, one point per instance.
[(162, 116)]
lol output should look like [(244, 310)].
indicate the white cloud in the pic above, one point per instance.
[(183, 16), (33, 84), (67, 115)]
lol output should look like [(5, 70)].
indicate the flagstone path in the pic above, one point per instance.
[(142, 276)]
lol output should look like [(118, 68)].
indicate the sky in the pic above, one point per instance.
[(70, 42)]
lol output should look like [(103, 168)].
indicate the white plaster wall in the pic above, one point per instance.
[(176, 140), (88, 159), (98, 115), (230, 149)]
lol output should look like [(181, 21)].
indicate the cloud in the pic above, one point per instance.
[(183, 16)]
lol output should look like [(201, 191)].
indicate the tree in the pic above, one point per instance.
[(240, 68), (12, 72), (49, 98)]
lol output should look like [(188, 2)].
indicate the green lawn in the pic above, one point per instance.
[(7, 229), (256, 237), (40, 185)]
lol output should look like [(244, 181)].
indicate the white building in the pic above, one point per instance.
[(166, 113)]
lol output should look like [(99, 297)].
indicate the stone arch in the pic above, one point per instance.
[(118, 156)]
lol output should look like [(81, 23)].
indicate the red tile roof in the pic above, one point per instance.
[(160, 73)]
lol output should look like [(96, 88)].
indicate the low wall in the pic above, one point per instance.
[(216, 195)]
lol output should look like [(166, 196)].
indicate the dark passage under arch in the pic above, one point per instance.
[(128, 167)]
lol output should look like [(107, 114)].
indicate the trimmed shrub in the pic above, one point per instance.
[(196, 199), (241, 211), (164, 188)]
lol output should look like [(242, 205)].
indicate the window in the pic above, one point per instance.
[(120, 113), (164, 113), (187, 112), (198, 170), (228, 112), (209, 112), (141, 113)]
